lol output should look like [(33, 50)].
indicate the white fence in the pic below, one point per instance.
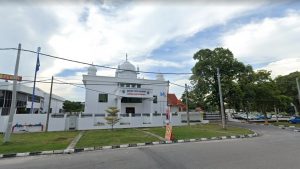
[(62, 122)]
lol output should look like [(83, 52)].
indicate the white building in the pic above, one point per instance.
[(127, 92), (24, 100)]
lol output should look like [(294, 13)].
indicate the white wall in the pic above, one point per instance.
[(90, 122), (55, 124), (55, 105), (87, 123), (137, 106), (110, 85), (174, 109), (58, 124)]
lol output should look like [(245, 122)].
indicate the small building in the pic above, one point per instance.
[(24, 100), (127, 92), (175, 104)]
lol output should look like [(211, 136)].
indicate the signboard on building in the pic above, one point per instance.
[(136, 92), (10, 77)]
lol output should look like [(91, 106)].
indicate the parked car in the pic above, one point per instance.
[(261, 117), (294, 119)]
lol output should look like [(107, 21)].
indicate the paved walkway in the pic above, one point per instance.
[(152, 134), (75, 140)]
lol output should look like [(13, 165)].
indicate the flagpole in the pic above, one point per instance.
[(35, 72)]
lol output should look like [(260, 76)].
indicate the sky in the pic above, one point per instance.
[(159, 36)]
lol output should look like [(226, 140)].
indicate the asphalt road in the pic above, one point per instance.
[(274, 149)]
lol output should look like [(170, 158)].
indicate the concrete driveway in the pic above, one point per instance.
[(274, 149)]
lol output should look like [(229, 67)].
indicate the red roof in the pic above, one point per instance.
[(173, 101)]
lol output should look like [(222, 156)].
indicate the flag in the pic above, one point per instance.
[(37, 68)]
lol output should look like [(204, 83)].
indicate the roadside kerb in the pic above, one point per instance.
[(99, 148), (296, 129)]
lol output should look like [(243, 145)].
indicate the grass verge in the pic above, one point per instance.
[(31, 142), (115, 137), (201, 130)]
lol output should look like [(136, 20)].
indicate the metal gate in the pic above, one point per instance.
[(72, 122)]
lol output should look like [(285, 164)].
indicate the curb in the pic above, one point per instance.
[(77, 150), (294, 128)]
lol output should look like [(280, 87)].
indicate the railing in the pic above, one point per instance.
[(57, 115), (86, 115), (99, 115), (212, 116)]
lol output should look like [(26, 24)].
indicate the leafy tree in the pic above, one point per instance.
[(265, 97), (192, 104), (288, 87), (112, 117), (243, 89), (70, 106), (267, 93), (204, 77)]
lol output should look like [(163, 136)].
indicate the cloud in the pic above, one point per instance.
[(137, 29), (265, 41), (103, 32), (283, 67)]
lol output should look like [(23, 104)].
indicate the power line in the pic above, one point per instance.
[(177, 85), (88, 88), (101, 66), (26, 82)]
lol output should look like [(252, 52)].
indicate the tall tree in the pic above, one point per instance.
[(287, 87), (204, 76)]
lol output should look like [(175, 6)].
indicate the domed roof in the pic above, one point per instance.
[(92, 70), (160, 77), (127, 66)]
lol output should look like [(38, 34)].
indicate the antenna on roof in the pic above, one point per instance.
[(126, 57)]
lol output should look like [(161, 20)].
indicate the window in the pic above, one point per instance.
[(36, 99), (138, 85), (103, 97), (154, 99)]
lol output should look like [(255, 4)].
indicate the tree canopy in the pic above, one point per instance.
[(243, 88), (205, 76), (70, 106)]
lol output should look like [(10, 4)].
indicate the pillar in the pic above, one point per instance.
[(119, 105)]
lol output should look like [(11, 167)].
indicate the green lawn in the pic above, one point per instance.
[(285, 124), (30, 142), (115, 137), (199, 131)]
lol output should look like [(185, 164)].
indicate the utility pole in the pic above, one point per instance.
[(187, 104), (295, 108), (276, 112), (298, 88), (221, 99), (49, 106), (14, 98)]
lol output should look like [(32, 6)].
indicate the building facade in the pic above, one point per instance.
[(127, 92), (24, 100), (175, 104)]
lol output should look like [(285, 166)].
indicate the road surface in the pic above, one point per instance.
[(274, 149)]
